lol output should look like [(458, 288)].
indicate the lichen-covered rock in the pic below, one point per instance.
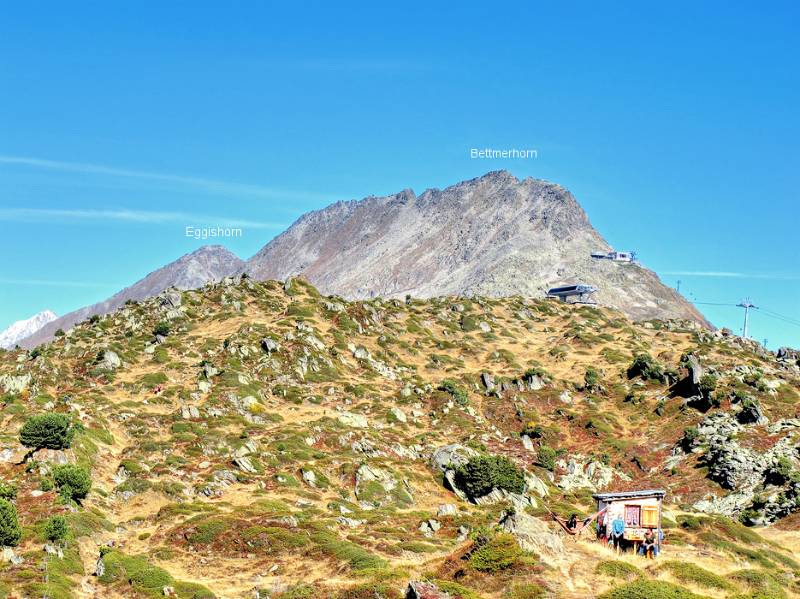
[(110, 360), (447, 459), (353, 420), (15, 384), (583, 473), (531, 533)]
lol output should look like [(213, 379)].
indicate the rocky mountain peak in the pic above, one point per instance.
[(493, 235), (23, 328)]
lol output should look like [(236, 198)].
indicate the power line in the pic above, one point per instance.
[(764, 311), (777, 316), (714, 304)]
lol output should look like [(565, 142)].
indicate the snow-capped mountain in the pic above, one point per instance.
[(24, 328)]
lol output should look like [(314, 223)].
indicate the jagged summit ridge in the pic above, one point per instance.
[(494, 235)]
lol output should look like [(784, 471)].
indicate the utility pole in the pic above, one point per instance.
[(678, 289), (746, 304)]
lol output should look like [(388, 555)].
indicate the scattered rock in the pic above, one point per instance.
[(425, 590), (353, 420), (7, 555), (190, 412), (309, 477), (15, 384), (531, 533), (110, 360), (350, 522), (247, 448), (527, 443), (398, 414), (245, 465), (586, 474), (429, 527), (269, 345), (99, 567)]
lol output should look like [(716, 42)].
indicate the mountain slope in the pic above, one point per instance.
[(494, 235), (24, 328), (193, 270), (278, 443)]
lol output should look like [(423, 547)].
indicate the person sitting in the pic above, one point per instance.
[(572, 523), (649, 546)]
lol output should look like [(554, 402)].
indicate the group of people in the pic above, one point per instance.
[(613, 534)]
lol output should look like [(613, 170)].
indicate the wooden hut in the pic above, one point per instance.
[(640, 510)]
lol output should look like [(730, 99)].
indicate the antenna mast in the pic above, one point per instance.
[(746, 304)]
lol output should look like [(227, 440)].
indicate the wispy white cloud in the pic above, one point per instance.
[(54, 283), (130, 216), (210, 185), (732, 275)]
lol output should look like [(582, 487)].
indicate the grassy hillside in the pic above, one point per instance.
[(258, 439)]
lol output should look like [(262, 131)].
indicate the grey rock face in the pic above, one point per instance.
[(447, 459), (495, 235), (532, 534), (110, 360)]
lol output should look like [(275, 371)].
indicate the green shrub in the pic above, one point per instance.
[(455, 590), (694, 574), (547, 458), (645, 366), (649, 589), (761, 583), (369, 590), (73, 482), (708, 383), (59, 333), (618, 569), (533, 430), (7, 490), (10, 531), (136, 571), (690, 436), (301, 591), (457, 391), (162, 328), (526, 590), (483, 473), (55, 529), (781, 472), (497, 553), (356, 556), (591, 379), (47, 431)]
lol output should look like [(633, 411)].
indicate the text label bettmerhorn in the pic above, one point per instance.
[(506, 153)]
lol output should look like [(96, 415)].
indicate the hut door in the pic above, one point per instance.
[(633, 515)]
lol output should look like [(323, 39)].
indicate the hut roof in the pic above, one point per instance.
[(659, 493)]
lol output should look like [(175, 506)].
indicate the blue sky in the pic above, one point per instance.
[(675, 125)]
